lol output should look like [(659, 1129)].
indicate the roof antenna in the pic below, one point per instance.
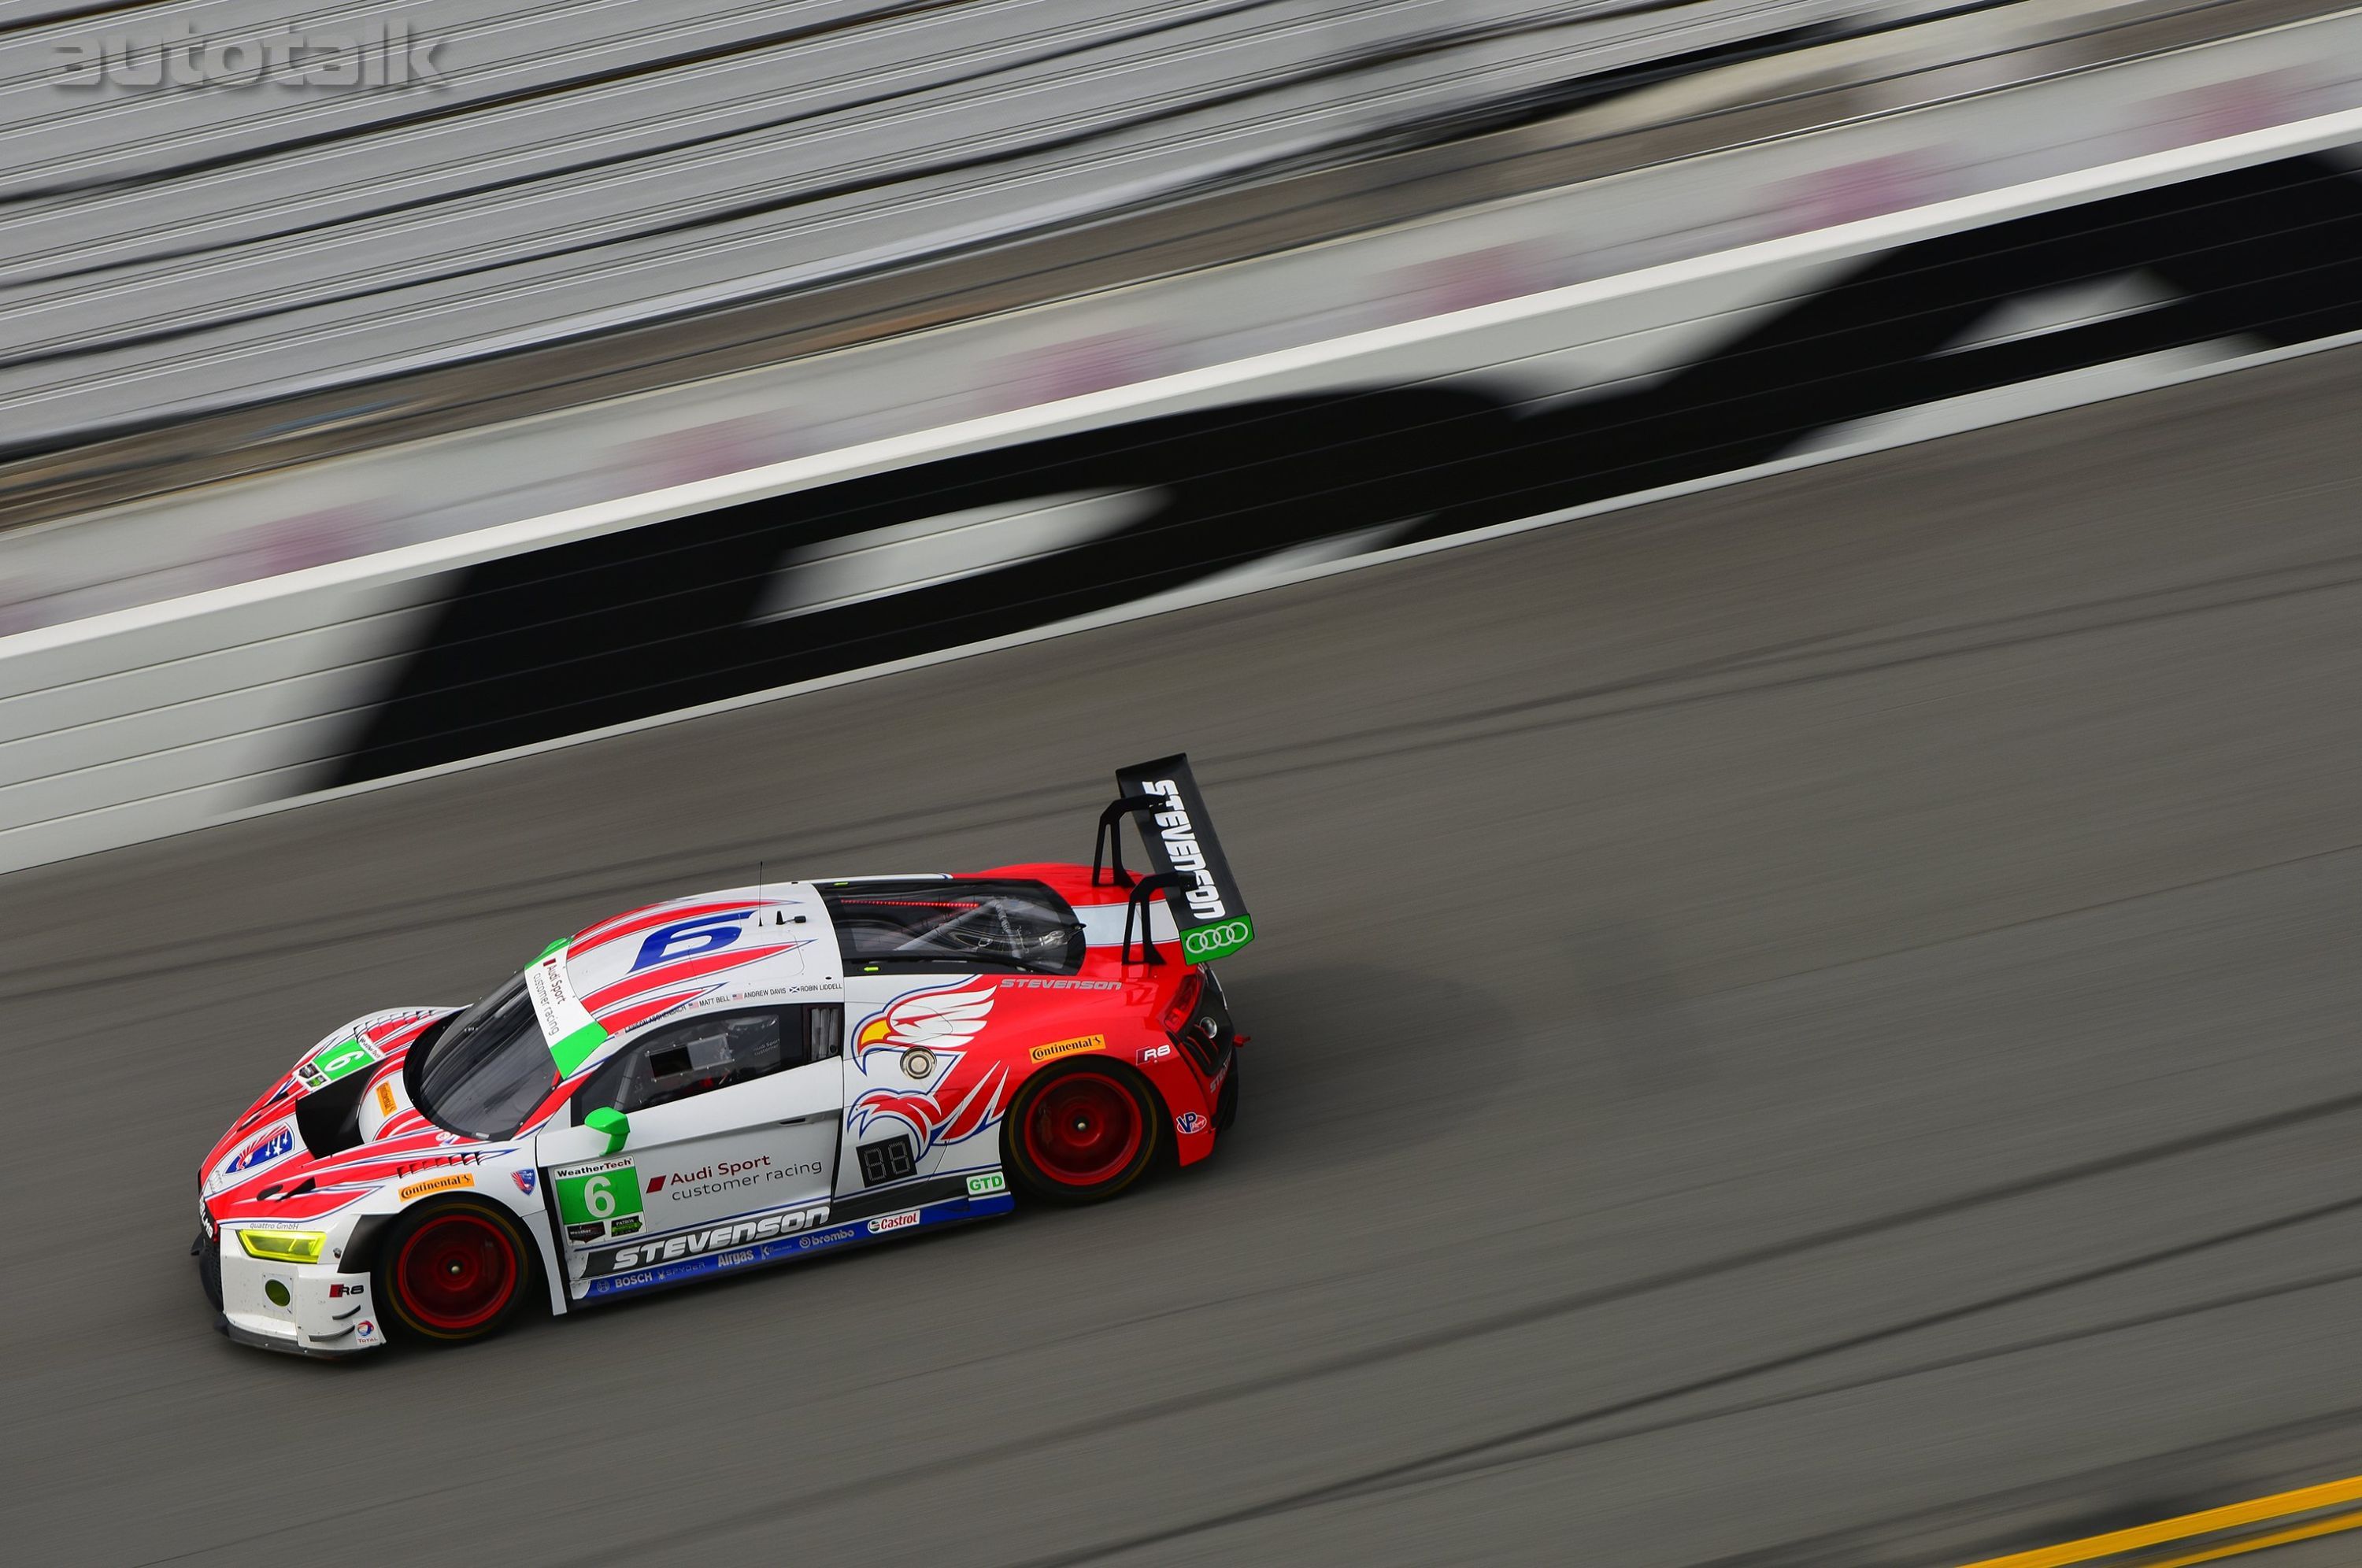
[(777, 918)]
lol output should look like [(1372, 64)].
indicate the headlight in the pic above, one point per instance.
[(282, 1246)]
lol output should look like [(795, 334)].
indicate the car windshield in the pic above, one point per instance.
[(971, 922), (489, 1069)]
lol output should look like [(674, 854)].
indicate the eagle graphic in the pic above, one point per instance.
[(969, 1089)]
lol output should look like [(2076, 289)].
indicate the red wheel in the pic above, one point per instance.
[(455, 1272), (1083, 1134)]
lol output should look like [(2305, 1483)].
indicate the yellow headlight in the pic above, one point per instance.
[(282, 1246)]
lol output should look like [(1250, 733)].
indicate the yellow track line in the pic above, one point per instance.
[(2278, 1538), (2279, 1506)]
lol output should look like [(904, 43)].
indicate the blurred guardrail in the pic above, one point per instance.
[(208, 202), (1729, 351), (1917, 119)]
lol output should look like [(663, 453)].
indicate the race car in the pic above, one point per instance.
[(736, 1079)]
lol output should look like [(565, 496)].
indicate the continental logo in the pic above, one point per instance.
[(385, 1099), (452, 1183), (1056, 1049)]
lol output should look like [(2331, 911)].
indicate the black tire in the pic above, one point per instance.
[(208, 1250), (1067, 1140), (452, 1272)]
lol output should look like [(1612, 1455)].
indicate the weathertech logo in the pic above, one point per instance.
[(1051, 1053), (452, 1183)]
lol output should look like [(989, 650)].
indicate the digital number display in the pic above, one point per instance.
[(889, 1160)]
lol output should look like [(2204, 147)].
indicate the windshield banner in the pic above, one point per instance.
[(566, 1024), (1179, 835)]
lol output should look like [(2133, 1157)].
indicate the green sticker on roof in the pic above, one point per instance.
[(577, 1048)]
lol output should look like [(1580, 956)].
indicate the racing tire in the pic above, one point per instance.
[(208, 1251), (452, 1273), (1081, 1134)]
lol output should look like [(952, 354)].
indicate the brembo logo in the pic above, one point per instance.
[(697, 1243), (1182, 849)]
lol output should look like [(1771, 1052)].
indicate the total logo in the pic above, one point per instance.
[(893, 1222), (366, 1332), (1190, 1121)]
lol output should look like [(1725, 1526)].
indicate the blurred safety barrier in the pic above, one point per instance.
[(2215, 1535), (990, 531), (1917, 119), (207, 201)]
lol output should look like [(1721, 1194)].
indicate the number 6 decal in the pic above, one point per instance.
[(604, 1191)]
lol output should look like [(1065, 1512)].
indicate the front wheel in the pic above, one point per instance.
[(454, 1273), (1082, 1134)]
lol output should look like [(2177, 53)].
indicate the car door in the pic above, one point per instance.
[(730, 1149)]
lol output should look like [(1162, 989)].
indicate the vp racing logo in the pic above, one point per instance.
[(970, 1089)]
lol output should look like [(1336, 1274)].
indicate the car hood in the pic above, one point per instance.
[(334, 1126)]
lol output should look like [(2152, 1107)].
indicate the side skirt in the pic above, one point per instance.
[(827, 1238)]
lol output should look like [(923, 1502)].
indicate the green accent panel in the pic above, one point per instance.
[(602, 1195), (551, 948), (576, 1048), (1203, 944), (613, 1123), (333, 1062)]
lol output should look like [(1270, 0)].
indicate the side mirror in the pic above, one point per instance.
[(613, 1123)]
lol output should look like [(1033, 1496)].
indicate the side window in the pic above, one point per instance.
[(823, 1031), (698, 1055)]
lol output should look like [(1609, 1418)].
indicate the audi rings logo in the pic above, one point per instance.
[(1212, 941)]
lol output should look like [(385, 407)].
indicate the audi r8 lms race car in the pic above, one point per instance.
[(735, 1079)]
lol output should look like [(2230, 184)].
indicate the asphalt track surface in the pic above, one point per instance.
[(1813, 1023)]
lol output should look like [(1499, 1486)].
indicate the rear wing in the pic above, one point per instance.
[(1185, 861)]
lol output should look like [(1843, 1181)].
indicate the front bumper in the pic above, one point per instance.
[(324, 1312), (240, 1334)]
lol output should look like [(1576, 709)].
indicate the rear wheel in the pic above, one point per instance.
[(1082, 1134), (454, 1273)]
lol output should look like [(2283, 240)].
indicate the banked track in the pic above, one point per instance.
[(1811, 1023)]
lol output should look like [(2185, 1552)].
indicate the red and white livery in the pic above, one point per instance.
[(736, 1079)]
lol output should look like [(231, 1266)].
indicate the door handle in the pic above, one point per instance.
[(812, 1116)]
